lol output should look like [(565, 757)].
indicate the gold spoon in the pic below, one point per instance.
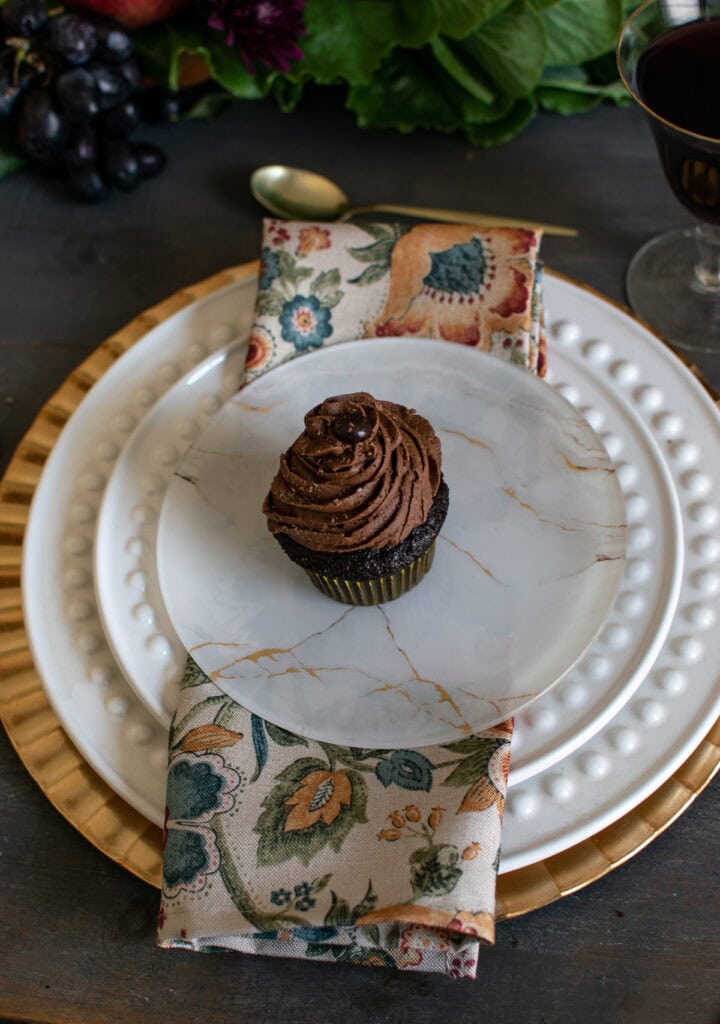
[(294, 194)]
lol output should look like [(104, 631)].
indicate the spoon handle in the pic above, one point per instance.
[(458, 217)]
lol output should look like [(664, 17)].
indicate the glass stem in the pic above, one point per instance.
[(707, 271)]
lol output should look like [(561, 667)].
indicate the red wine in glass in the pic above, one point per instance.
[(669, 59), (678, 79)]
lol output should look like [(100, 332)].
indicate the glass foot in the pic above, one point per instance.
[(663, 291)]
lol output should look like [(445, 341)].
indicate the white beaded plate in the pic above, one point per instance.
[(590, 787), (132, 611)]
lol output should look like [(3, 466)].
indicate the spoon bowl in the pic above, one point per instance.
[(296, 194)]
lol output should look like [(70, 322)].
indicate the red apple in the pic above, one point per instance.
[(131, 13)]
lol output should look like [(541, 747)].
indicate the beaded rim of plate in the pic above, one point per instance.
[(123, 834)]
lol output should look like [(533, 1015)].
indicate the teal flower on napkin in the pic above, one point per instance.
[(269, 267), (188, 858), (199, 787), (406, 768), (459, 269), (305, 322), (280, 897)]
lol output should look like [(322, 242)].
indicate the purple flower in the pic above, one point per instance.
[(265, 31)]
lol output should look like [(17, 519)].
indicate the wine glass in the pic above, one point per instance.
[(669, 58)]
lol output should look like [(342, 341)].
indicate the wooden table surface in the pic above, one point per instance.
[(76, 931)]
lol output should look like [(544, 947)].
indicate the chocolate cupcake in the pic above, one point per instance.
[(360, 498)]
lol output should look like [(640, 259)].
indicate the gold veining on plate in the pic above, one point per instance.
[(473, 559), (104, 818)]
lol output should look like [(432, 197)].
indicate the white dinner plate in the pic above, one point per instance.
[(526, 567), (84, 684), (629, 387)]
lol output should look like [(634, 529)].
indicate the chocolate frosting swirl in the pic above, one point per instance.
[(363, 474)]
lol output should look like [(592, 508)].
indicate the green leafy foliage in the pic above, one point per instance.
[(458, 18), (579, 30), (405, 93), (458, 68), (573, 89), (496, 133), (511, 48), (482, 67), (208, 107), (162, 46), (347, 39)]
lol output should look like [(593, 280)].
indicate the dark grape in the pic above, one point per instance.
[(81, 147), (87, 182), (121, 120), (13, 83), (120, 165), (160, 106), (41, 130), (150, 158), (74, 95), (72, 38), (113, 42), (28, 73), (130, 70), (112, 85), (24, 18), (9, 90), (78, 94)]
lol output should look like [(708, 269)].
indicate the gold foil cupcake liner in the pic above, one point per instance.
[(378, 590)]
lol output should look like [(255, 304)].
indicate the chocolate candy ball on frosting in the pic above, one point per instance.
[(352, 427), (363, 474)]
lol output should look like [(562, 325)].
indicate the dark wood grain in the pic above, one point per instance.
[(76, 931)]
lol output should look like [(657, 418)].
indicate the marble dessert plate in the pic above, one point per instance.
[(526, 570)]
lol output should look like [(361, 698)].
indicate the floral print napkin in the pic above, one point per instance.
[(285, 846), (321, 284)]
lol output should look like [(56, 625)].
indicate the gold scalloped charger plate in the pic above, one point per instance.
[(108, 821)]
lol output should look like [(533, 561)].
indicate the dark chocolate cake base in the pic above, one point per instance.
[(371, 563)]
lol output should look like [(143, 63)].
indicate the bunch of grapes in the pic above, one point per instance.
[(69, 87)]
